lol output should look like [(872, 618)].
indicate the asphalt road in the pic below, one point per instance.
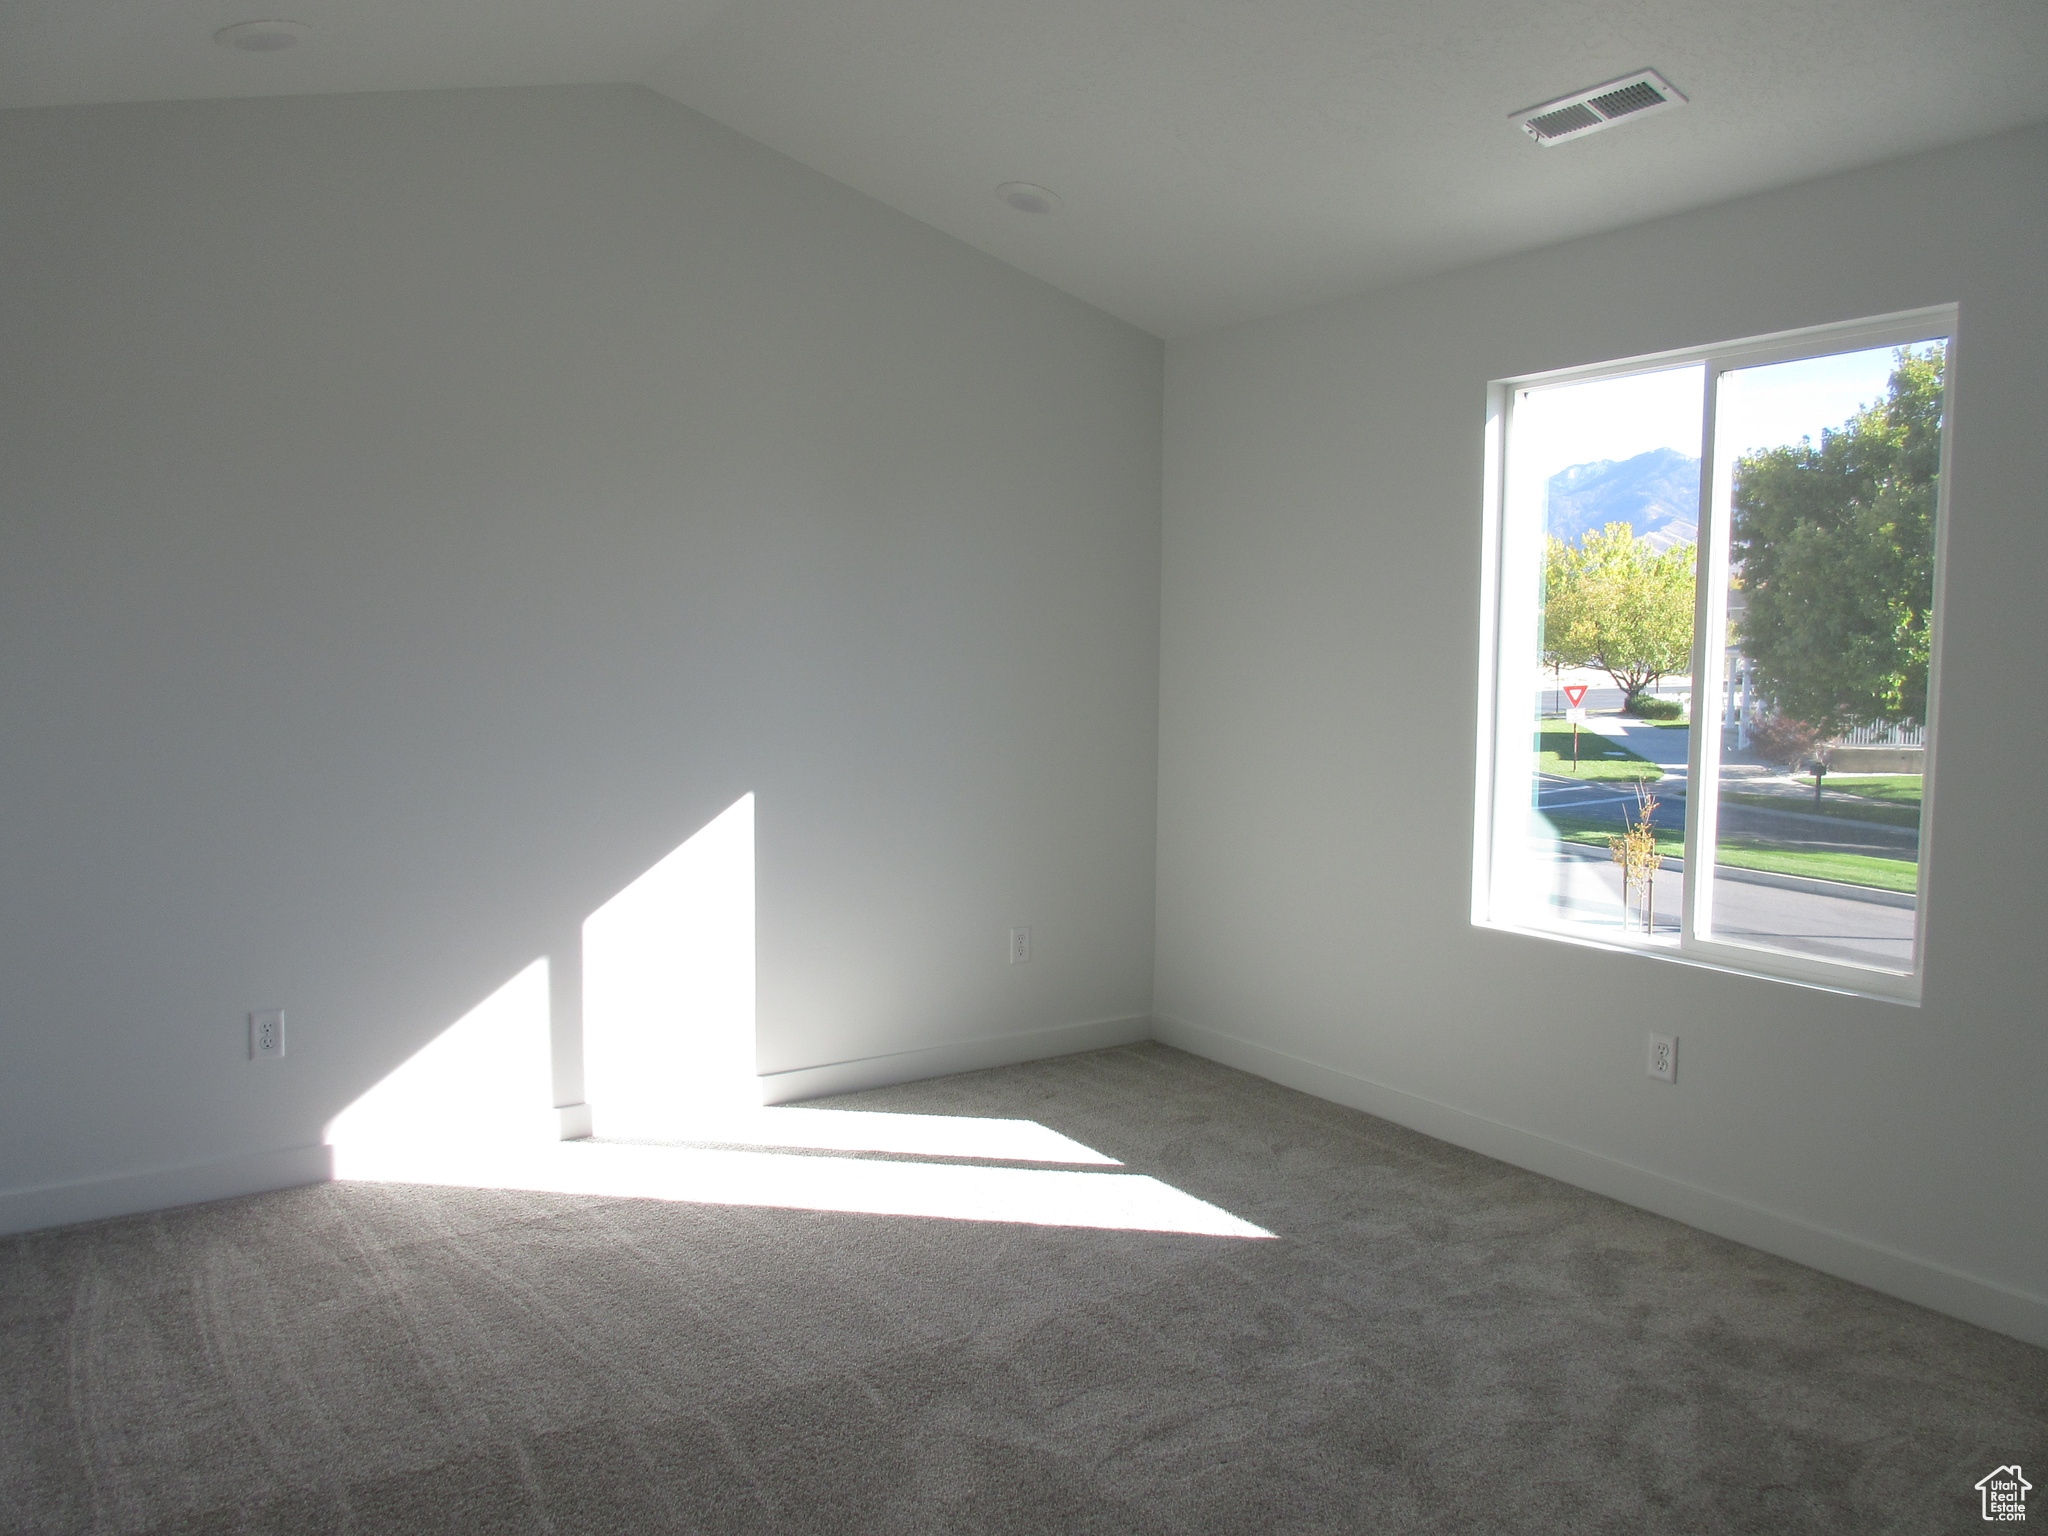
[(1587, 893), (1787, 829), (1668, 747)]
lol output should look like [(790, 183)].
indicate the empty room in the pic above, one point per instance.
[(909, 766)]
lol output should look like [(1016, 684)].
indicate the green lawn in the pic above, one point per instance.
[(1600, 757), (1874, 810), (1586, 829), (1848, 868), (1893, 789), (1900, 874)]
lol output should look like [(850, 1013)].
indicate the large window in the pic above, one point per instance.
[(1709, 710)]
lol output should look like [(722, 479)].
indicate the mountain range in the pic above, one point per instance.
[(1656, 493)]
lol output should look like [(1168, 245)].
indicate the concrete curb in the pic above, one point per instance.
[(1847, 892)]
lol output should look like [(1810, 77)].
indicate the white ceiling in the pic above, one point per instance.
[(1217, 159)]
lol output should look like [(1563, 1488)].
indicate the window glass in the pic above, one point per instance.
[(1607, 475), (1712, 721), (1833, 467)]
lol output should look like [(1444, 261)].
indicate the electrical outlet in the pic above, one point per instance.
[(1020, 945), (1664, 1057), (266, 1035)]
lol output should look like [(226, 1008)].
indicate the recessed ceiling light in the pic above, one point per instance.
[(1029, 197), (261, 36)]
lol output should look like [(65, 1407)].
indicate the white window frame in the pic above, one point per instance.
[(1507, 614)]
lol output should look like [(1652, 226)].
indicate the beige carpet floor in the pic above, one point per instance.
[(1432, 1341)]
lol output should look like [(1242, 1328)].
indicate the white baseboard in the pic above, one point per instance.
[(945, 1060), (156, 1189), (572, 1121), (2021, 1314), (1923, 1281)]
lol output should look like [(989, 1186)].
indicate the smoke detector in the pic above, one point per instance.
[(1641, 94), (1029, 197)]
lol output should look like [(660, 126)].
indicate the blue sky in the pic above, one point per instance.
[(1763, 407), (1610, 419), (1620, 418)]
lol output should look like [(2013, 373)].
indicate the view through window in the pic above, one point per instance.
[(1712, 721)]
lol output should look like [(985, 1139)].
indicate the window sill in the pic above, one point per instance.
[(1872, 985)]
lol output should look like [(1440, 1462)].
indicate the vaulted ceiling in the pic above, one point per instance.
[(1215, 159)]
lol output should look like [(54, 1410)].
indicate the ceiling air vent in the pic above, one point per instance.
[(1599, 106)]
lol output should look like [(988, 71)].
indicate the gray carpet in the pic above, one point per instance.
[(1434, 1342)]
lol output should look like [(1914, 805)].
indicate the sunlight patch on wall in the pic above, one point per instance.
[(484, 1082), (668, 1028), (668, 986), (668, 1037)]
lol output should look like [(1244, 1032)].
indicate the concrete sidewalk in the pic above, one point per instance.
[(1837, 888)]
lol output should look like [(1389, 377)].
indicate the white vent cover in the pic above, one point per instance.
[(1641, 94)]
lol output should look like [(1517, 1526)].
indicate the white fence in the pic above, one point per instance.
[(1741, 705), (1883, 736)]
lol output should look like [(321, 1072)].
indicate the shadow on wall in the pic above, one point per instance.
[(667, 1020), (674, 1099)]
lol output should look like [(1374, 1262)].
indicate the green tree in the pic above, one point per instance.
[(1835, 545), (1614, 602)]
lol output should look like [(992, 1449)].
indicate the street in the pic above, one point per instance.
[(1580, 883), (1584, 888), (1667, 746)]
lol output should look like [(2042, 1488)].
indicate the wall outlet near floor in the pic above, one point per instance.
[(266, 1035), (1020, 945), (1664, 1057)]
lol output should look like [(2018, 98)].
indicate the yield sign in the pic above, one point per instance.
[(1576, 692)]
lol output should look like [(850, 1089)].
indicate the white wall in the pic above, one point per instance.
[(1321, 613), (422, 512)]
